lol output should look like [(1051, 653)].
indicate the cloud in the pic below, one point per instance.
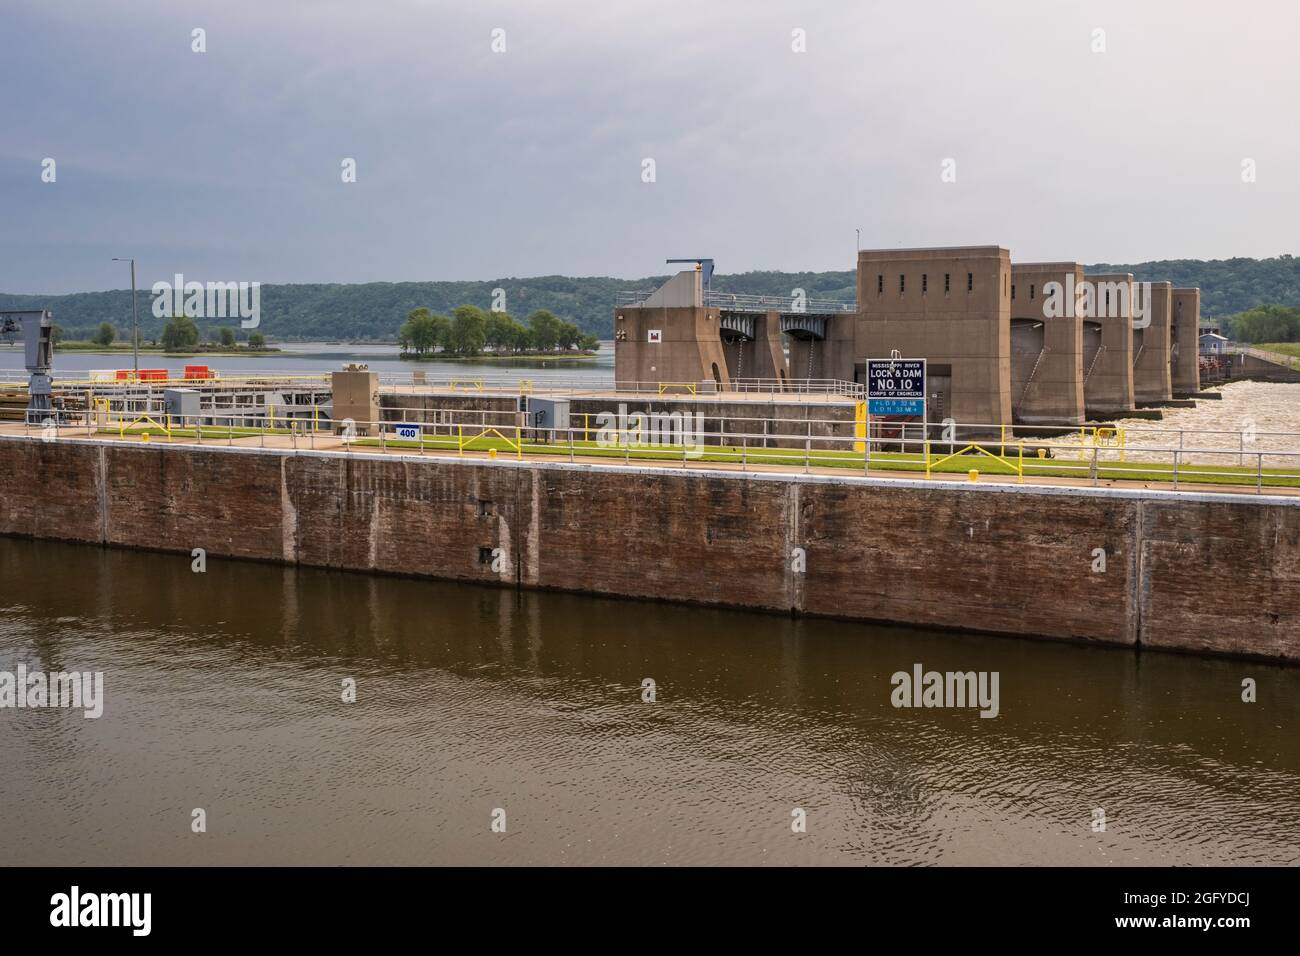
[(476, 164)]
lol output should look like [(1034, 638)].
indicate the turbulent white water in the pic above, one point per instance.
[(1252, 417)]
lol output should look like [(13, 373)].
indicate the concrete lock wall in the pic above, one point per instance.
[(1046, 347), (949, 306), (1185, 325), (1152, 382), (839, 346), (1108, 346), (686, 348), (1183, 571)]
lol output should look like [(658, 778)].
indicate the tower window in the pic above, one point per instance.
[(880, 284), (902, 283), (947, 284), (1031, 290), (925, 282), (970, 282), (1013, 291)]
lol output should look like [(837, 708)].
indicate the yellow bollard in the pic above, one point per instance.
[(973, 475), (145, 438), (1042, 453), (492, 452)]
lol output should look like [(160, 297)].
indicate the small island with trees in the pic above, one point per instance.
[(180, 336), (469, 332)]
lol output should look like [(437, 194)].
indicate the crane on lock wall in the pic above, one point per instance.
[(37, 328)]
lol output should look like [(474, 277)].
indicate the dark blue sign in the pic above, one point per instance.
[(896, 378)]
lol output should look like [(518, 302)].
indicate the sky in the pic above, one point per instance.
[(501, 138)]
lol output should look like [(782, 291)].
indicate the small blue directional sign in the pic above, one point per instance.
[(896, 406), (896, 387)]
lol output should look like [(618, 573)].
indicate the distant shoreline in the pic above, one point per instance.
[(495, 357), (94, 349)]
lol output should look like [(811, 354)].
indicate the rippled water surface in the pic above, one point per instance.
[(1250, 418), (223, 692)]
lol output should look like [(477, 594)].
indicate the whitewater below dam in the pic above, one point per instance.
[(1250, 418)]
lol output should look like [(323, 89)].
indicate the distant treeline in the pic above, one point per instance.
[(375, 311), (1265, 323)]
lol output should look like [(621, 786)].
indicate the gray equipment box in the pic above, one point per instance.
[(548, 413), (182, 404)]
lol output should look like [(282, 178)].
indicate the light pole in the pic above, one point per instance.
[(135, 325)]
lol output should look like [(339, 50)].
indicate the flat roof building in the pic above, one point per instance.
[(951, 307)]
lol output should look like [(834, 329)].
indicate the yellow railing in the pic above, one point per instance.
[(689, 386), (517, 443), (1016, 466), (475, 384), (122, 426)]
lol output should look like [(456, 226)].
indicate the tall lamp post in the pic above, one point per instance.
[(135, 325)]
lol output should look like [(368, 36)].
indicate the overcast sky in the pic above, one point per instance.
[(475, 164)]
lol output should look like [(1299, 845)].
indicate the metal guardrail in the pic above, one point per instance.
[(672, 439), (1276, 358), (739, 302)]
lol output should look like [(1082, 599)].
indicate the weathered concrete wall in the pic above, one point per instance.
[(1151, 376), (1185, 330), (1051, 391), (1108, 375), (689, 349), (949, 306), (760, 357), (1188, 572)]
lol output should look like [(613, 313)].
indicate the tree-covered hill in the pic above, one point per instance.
[(374, 311)]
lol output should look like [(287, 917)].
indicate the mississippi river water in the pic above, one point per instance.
[(223, 692)]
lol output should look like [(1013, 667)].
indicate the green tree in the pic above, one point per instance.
[(419, 333), (468, 329), (567, 335), (441, 330), (589, 343), (1265, 323), (496, 333), (105, 334), (521, 339), (227, 337), (56, 334), (256, 340), (180, 333), (545, 330)]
